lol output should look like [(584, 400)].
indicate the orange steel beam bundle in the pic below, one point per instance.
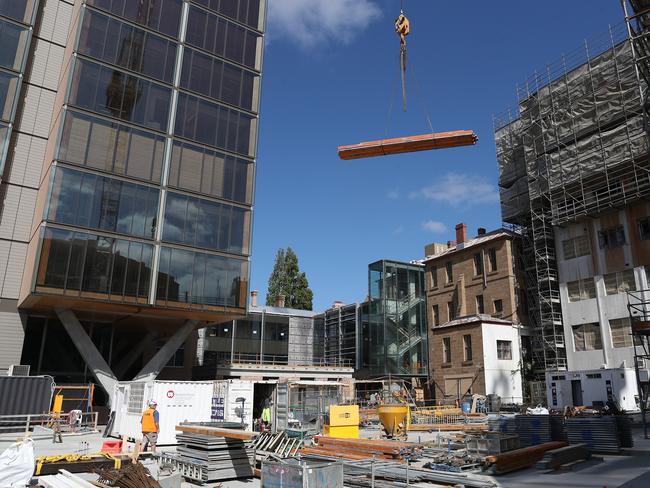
[(425, 142)]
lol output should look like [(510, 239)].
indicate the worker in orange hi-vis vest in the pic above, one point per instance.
[(150, 426)]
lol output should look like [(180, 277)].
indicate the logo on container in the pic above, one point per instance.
[(170, 394)]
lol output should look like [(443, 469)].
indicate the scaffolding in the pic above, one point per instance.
[(576, 145), (340, 335), (638, 305)]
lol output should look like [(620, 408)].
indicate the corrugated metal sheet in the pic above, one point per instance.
[(23, 395)]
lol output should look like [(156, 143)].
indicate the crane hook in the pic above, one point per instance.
[(403, 29)]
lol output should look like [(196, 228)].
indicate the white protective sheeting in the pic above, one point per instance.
[(17, 464)]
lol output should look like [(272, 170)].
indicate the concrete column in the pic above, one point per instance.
[(151, 370), (89, 352)]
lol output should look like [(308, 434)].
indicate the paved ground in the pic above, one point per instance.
[(630, 470)]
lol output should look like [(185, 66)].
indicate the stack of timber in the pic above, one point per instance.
[(557, 458), (521, 458), (207, 454), (359, 449), (425, 142), (533, 429), (601, 434)]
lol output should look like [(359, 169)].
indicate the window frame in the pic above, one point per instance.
[(492, 259), (504, 348), (480, 304), (494, 304), (449, 272), (435, 315), (478, 264), (612, 237), (433, 272), (467, 348), (579, 334), (446, 350)]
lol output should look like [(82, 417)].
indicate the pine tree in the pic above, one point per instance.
[(286, 279)]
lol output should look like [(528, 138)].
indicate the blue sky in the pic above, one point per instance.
[(330, 76)]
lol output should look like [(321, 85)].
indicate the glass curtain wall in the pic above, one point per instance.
[(394, 339), (16, 22), (155, 149)]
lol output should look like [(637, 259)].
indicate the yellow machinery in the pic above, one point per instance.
[(342, 422), (395, 419)]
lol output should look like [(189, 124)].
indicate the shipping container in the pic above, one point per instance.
[(178, 401), (593, 388), (233, 402), (25, 395)]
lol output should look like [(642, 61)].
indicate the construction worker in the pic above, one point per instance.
[(150, 426), (266, 415)]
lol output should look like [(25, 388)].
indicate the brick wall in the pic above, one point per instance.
[(458, 368)]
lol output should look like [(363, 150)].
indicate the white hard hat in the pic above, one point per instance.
[(152, 403)]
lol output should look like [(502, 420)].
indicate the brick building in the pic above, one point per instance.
[(475, 314)]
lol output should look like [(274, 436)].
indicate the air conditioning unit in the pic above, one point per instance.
[(18, 370)]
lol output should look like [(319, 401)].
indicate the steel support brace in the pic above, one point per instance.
[(151, 370), (89, 352)]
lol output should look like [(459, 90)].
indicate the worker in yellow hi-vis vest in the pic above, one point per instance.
[(266, 416), (150, 426)]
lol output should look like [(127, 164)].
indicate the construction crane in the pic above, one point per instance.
[(425, 142)]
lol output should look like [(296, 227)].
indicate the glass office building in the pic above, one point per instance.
[(130, 168), (148, 182), (394, 333)]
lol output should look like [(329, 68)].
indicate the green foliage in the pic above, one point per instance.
[(286, 279)]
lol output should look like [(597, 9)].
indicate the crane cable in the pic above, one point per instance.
[(403, 29)]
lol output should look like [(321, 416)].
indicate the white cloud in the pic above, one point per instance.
[(312, 22), (398, 230), (434, 226), (458, 190), (393, 194)]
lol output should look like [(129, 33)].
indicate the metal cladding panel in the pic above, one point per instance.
[(24, 395), (11, 336)]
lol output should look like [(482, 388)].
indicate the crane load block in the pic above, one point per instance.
[(425, 142)]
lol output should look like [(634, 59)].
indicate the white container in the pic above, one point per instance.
[(178, 401), (226, 408), (568, 388)]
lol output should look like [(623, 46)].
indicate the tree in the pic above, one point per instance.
[(286, 279)]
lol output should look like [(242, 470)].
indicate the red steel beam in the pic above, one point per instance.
[(425, 142)]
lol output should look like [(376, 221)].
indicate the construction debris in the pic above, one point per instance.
[(133, 476), (357, 449)]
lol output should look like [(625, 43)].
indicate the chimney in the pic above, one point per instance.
[(279, 301), (461, 233), (450, 244), (253, 298), (482, 231)]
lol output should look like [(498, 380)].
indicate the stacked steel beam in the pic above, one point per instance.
[(624, 431), (358, 449), (505, 424), (558, 427), (219, 458), (599, 433)]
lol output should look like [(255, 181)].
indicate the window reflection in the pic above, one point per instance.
[(113, 92), (199, 280), (20, 10), (221, 37), (203, 223), (12, 48), (76, 263), (207, 171), (214, 78), (215, 125), (90, 200), (161, 15), (110, 146), (8, 91), (124, 45), (245, 11)]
